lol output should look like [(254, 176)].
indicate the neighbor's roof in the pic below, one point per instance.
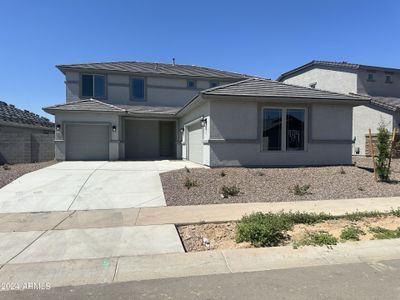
[(11, 115), (92, 105), (260, 87), (333, 64), (390, 103), (154, 68)]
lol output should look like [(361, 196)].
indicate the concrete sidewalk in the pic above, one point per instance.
[(181, 214), (137, 268)]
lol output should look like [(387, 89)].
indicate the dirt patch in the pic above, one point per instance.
[(222, 235), (276, 184), (17, 170)]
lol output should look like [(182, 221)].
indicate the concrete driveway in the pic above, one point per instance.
[(89, 185)]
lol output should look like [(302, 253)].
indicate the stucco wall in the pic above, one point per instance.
[(327, 79), (63, 119), (161, 91), (378, 87), (236, 135)]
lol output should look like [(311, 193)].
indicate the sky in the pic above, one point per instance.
[(262, 38)]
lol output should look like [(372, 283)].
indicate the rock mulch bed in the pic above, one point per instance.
[(212, 236), (277, 184), (9, 173)]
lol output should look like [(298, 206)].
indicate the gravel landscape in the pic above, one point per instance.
[(277, 184), (9, 173)]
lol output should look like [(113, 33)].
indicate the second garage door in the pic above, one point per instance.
[(87, 142), (195, 143)]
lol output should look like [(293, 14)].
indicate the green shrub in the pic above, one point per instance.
[(395, 212), (230, 191), (189, 183), (383, 233), (383, 146), (319, 238), (357, 216), (305, 217), (351, 233), (259, 173), (223, 174), (300, 190), (262, 230)]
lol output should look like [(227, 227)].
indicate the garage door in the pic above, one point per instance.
[(195, 143), (87, 142)]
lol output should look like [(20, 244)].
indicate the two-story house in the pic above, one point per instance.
[(140, 110), (381, 84)]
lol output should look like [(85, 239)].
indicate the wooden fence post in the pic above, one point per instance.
[(392, 145), (372, 150)]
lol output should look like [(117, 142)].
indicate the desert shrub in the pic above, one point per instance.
[(6, 167), (301, 190), (222, 174), (319, 238), (189, 183), (351, 233), (342, 171), (230, 191), (259, 173), (305, 217), (395, 212), (383, 146), (360, 188), (262, 229), (358, 215), (383, 233)]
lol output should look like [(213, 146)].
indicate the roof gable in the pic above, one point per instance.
[(84, 105)]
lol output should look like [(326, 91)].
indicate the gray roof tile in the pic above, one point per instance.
[(390, 103), (11, 115), (155, 68)]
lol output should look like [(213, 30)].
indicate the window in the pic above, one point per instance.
[(388, 79), (283, 129), (93, 86), (191, 84), (138, 89), (371, 77), (213, 84)]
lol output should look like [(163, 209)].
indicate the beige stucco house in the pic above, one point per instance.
[(139, 111), (381, 85)]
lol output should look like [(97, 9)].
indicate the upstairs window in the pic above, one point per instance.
[(138, 89), (388, 79), (191, 84), (213, 84), (93, 86), (371, 77)]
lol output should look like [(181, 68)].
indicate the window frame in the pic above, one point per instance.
[(93, 86), (131, 93), (390, 76), (372, 79), (284, 110)]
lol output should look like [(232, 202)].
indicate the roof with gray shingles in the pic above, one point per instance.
[(390, 103), (155, 68), (332, 64), (11, 115), (260, 87), (92, 105)]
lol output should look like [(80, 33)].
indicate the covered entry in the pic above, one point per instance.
[(87, 142), (150, 139)]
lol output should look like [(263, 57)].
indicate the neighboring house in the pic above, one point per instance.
[(25, 137), (381, 84), (212, 117)]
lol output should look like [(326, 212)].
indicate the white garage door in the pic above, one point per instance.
[(87, 142), (195, 143)]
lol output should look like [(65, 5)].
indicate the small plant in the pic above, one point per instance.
[(189, 183), (383, 145), (305, 217), (342, 171), (6, 167), (259, 173), (187, 169), (262, 230), (319, 238), (383, 233), (360, 188), (230, 191), (222, 174), (351, 233), (301, 190)]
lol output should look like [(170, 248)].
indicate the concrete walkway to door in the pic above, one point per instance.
[(69, 186)]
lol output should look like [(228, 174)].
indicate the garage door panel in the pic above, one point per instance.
[(195, 143), (87, 142)]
